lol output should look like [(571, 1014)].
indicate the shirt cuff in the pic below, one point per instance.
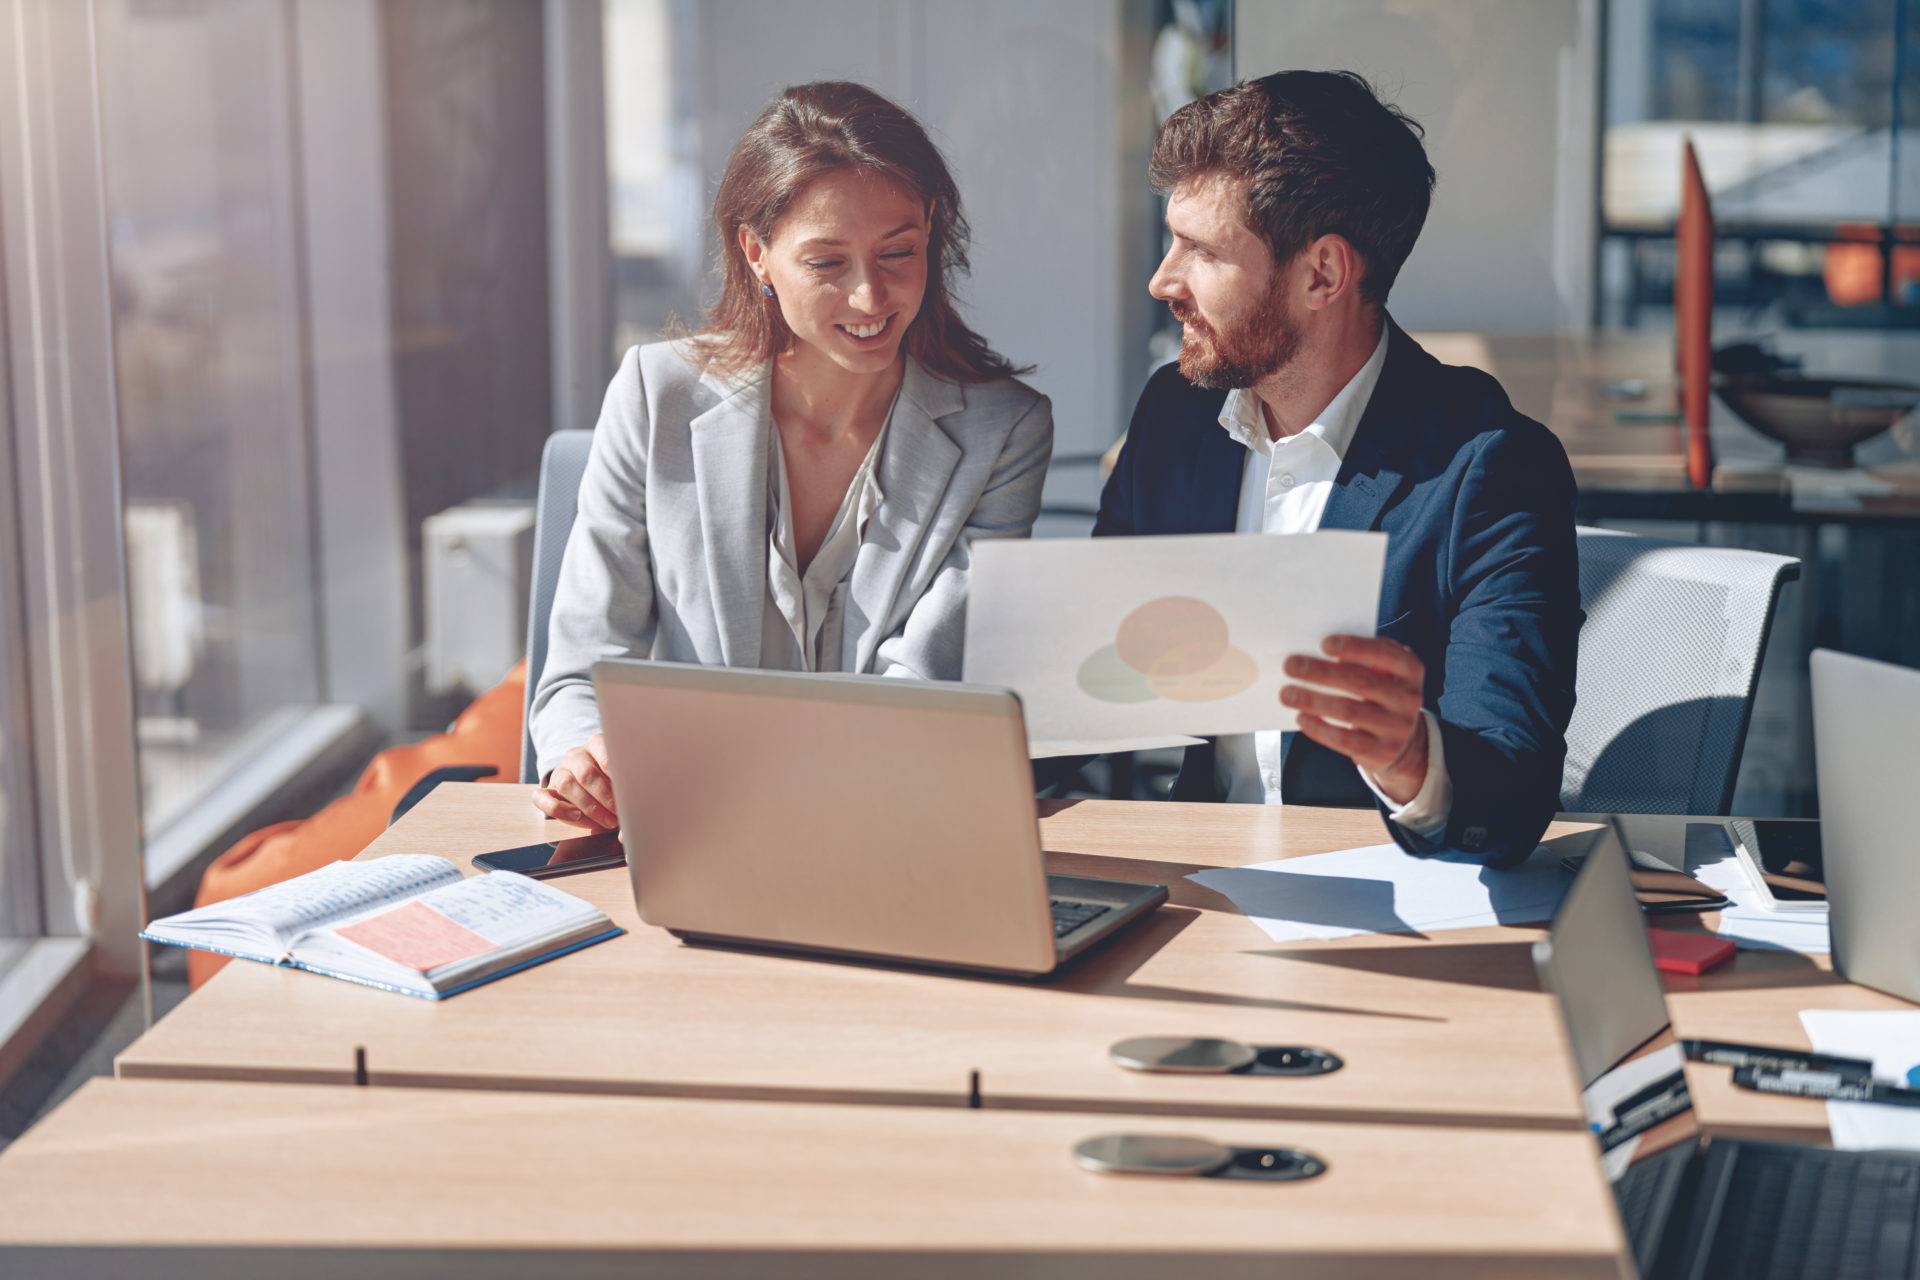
[(1426, 814)]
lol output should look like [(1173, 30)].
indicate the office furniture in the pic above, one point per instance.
[(203, 1178), (645, 1013), (1756, 999), (1669, 661), (1611, 397), (1449, 1028), (561, 465)]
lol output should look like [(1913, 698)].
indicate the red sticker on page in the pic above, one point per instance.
[(416, 936)]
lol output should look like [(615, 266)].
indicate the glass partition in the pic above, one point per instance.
[(1801, 114), (207, 311)]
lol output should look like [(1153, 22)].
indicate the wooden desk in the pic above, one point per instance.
[(644, 1014), (1638, 469), (202, 1178), (1754, 999)]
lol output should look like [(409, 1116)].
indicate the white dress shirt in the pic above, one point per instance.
[(1284, 488), (805, 614)]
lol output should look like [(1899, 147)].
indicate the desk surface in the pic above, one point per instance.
[(1755, 999), (766, 1187), (1561, 379), (646, 1014)]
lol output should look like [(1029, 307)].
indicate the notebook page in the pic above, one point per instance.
[(334, 892), (508, 909), (453, 925)]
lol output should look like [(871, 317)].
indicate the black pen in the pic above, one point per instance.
[(1825, 1084), (1720, 1053)]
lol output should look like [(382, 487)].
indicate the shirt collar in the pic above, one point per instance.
[(1335, 425)]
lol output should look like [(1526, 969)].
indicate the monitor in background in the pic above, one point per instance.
[(1866, 748)]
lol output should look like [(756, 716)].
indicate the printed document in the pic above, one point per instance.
[(1890, 1038), (1110, 639), (1383, 889)]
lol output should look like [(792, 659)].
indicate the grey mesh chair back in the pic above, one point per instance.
[(561, 467), (1669, 658)]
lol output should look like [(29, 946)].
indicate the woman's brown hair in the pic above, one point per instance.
[(814, 129)]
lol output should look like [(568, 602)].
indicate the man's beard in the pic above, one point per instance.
[(1244, 357)]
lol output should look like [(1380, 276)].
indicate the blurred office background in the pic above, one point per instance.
[(295, 289)]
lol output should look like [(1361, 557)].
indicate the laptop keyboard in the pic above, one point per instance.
[(1645, 1193), (1068, 916), (1822, 1215)]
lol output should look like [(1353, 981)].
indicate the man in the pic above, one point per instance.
[(1297, 404)]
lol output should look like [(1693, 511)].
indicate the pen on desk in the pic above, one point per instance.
[(1825, 1084), (1721, 1053)]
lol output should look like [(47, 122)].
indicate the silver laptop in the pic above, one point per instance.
[(1867, 761), (1693, 1208), (852, 816)]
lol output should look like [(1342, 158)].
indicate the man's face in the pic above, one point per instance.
[(1220, 281)]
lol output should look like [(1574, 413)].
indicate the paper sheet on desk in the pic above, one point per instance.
[(1756, 928), (1383, 889), (1115, 638), (1891, 1040), (1816, 489)]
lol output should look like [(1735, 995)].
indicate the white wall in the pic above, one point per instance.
[(1042, 112), (1507, 92)]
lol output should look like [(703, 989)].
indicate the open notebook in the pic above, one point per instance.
[(408, 922)]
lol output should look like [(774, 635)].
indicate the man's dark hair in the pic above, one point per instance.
[(1319, 154)]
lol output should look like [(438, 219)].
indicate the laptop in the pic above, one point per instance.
[(847, 816), (1693, 1208), (1866, 762)]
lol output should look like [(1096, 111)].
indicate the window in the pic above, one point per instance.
[(204, 254), (1805, 115)]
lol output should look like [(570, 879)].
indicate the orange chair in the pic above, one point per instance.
[(1852, 270), (486, 736)]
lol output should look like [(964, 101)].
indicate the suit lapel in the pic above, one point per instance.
[(730, 479), (915, 465), (1375, 464), (1370, 475), (1213, 502)]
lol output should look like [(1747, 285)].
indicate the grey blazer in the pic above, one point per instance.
[(668, 555)]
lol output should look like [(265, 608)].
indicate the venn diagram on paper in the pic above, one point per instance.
[(1174, 647)]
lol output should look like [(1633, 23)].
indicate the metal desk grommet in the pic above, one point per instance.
[(1175, 1156), (1200, 1055)]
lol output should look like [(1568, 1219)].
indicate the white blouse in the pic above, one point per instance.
[(801, 627)]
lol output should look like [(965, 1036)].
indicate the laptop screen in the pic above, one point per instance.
[(1598, 964)]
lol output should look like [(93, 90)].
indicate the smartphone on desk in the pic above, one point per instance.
[(1782, 859), (558, 857)]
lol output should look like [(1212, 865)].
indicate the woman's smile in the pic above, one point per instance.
[(869, 331)]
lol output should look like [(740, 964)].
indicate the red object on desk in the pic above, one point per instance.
[(1688, 952), (1693, 314)]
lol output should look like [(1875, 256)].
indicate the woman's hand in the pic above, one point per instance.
[(579, 790)]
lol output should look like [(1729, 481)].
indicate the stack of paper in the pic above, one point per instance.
[(1891, 1040), (1754, 927), (1382, 889)]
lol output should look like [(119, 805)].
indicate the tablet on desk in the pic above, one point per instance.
[(1782, 859)]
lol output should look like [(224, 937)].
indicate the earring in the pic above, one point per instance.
[(766, 288)]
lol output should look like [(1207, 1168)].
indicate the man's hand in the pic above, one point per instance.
[(578, 790), (1380, 726)]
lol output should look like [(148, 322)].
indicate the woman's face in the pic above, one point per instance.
[(848, 266)]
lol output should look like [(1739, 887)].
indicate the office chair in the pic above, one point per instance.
[(1669, 660), (561, 466)]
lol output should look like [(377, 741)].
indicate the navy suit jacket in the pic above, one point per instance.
[(1482, 580)]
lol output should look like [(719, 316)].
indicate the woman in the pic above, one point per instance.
[(796, 485)]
